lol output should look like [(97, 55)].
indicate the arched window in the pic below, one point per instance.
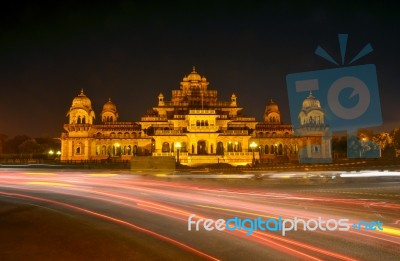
[(272, 151), (206, 122), (165, 147), (78, 151), (183, 147), (84, 120), (103, 150), (266, 151), (220, 148), (79, 120), (129, 150), (202, 123), (280, 149), (197, 123), (230, 147)]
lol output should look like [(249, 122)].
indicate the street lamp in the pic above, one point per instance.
[(50, 154), (178, 147), (253, 145)]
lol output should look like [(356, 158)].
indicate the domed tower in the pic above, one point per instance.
[(81, 111), (272, 114), (311, 112), (317, 137), (109, 112), (161, 100)]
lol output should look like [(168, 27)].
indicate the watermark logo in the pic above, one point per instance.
[(281, 225), (343, 98)]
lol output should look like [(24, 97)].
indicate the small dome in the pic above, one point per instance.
[(272, 107), (81, 101), (311, 103), (194, 76), (203, 79), (109, 106)]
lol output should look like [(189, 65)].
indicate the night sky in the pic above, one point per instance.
[(132, 51)]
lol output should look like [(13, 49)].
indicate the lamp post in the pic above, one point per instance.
[(178, 147), (51, 153), (58, 154), (253, 145)]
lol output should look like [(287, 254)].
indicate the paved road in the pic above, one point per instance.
[(151, 214)]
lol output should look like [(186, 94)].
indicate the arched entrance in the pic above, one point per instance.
[(201, 147)]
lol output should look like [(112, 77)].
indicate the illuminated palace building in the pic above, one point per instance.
[(194, 126)]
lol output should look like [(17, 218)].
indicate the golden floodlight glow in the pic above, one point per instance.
[(253, 145), (58, 152), (178, 145), (51, 152)]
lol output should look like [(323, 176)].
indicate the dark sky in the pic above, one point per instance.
[(132, 51)]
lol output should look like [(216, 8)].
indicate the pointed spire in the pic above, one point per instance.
[(109, 99), (310, 94), (194, 68), (82, 94)]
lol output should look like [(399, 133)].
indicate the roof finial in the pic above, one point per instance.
[(109, 99), (194, 68), (310, 93), (82, 94)]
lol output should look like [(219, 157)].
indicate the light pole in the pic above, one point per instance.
[(253, 145), (178, 147), (51, 153)]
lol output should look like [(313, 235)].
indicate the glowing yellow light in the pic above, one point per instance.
[(253, 145), (51, 152), (117, 145), (58, 152), (391, 230), (178, 145)]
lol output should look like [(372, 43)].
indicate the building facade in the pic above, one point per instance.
[(194, 126)]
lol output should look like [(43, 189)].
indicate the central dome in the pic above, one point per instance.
[(194, 76)]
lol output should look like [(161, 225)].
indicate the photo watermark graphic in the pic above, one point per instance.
[(279, 224), (338, 99)]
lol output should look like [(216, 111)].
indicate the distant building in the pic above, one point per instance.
[(203, 129), (316, 137)]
